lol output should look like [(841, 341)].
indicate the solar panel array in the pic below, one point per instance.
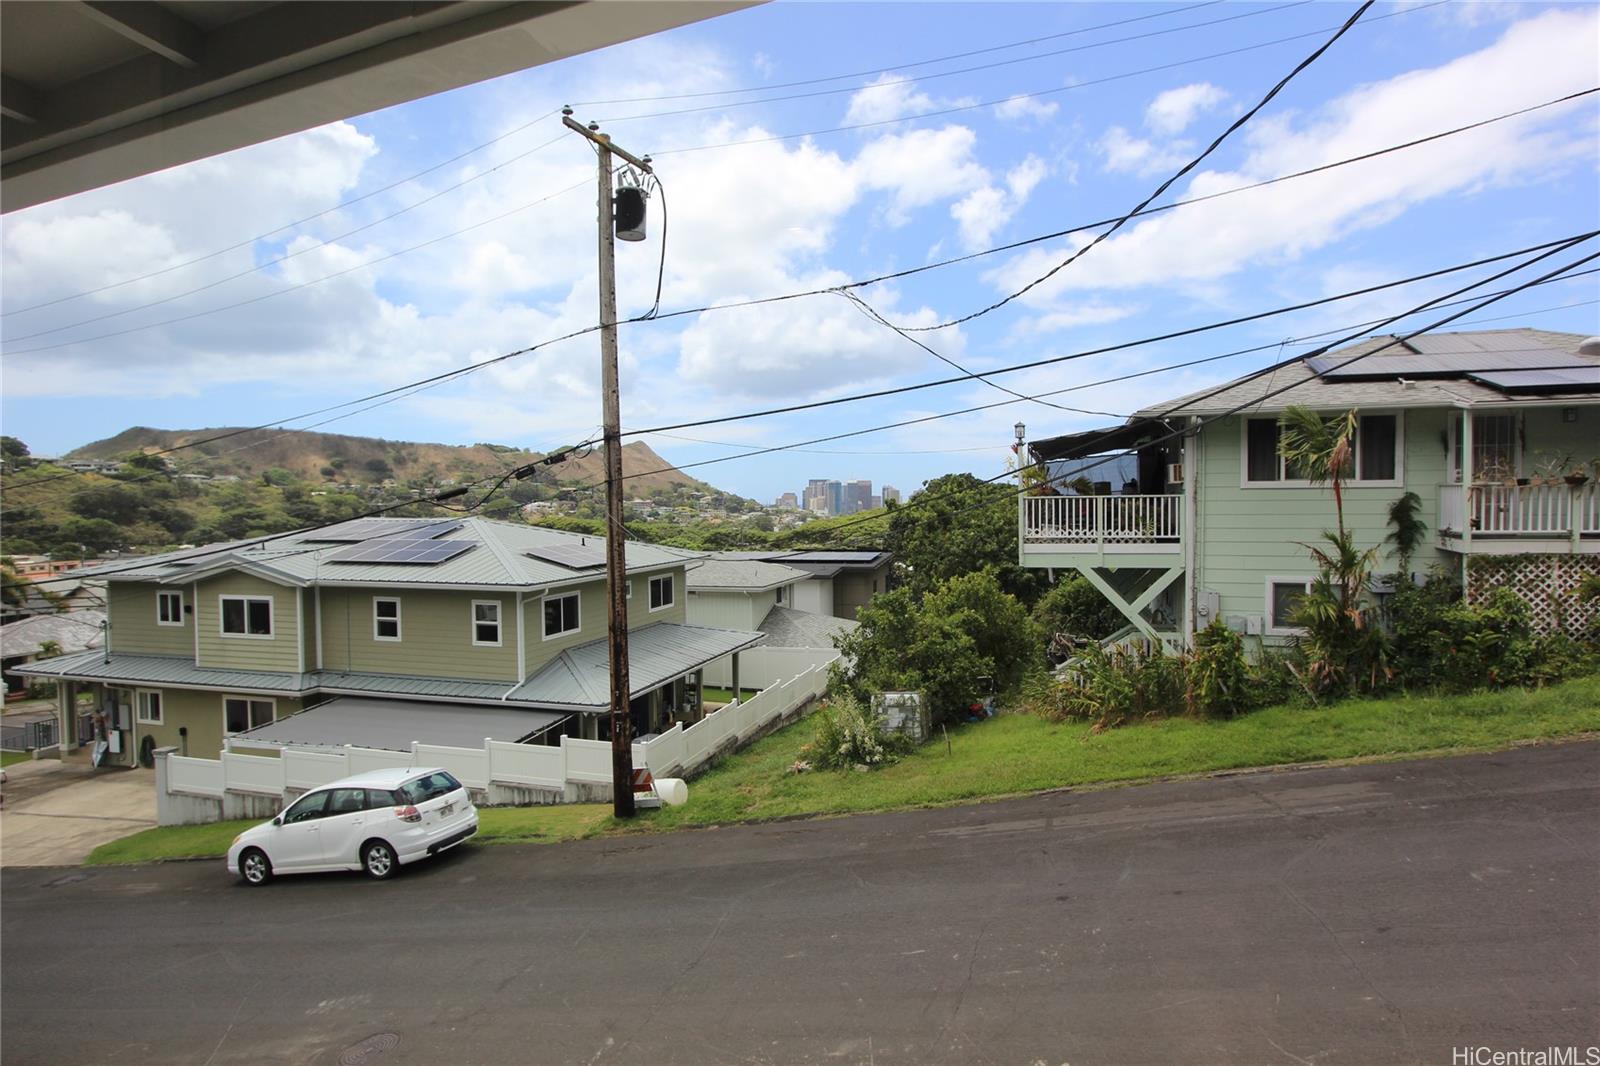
[(1449, 356), (1565, 379), (416, 550), (367, 528), (571, 556)]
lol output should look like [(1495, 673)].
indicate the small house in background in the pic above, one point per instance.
[(27, 639)]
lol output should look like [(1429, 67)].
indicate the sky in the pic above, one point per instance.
[(346, 260)]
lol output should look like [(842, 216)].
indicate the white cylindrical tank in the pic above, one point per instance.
[(672, 790)]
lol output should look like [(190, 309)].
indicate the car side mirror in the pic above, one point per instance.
[(278, 820)]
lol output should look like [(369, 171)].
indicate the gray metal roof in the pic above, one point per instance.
[(740, 575), (580, 677), (1308, 389), (497, 559), (72, 633), (396, 724), (788, 628), (157, 670)]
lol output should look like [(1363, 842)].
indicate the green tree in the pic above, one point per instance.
[(1076, 608), (961, 525), (12, 449), (114, 503), (95, 534)]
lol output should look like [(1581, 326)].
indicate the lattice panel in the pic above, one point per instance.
[(1549, 584)]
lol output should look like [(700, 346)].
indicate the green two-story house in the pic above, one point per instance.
[(1187, 513), (379, 633)]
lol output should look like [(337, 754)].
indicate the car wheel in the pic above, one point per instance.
[(378, 860), (254, 867)]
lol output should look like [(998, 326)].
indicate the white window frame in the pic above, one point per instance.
[(499, 624), (1396, 482), (272, 618), (1519, 458), (398, 628), (1266, 619), (139, 712), (673, 590), (162, 596), (543, 626), (248, 700)]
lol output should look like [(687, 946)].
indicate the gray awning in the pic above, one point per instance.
[(396, 724)]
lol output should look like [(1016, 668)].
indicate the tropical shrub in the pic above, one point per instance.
[(848, 734), (1345, 648), (1075, 608), (1113, 686), (1217, 675), (1445, 643)]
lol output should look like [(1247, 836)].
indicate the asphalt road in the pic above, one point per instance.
[(1373, 914)]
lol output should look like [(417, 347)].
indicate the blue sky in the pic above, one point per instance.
[(759, 216)]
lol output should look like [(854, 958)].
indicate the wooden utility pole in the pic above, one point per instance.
[(616, 548)]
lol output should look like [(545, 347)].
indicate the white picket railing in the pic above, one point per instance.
[(1090, 523), (1521, 510), (497, 762)]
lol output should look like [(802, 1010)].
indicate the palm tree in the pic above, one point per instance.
[(1322, 448)]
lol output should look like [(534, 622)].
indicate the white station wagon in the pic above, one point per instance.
[(376, 822)]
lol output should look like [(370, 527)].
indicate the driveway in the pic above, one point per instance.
[(55, 813), (1341, 916)]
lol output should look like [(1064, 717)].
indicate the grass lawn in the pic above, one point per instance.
[(713, 694), (8, 758), (1017, 754)]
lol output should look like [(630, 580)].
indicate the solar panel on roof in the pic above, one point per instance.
[(1562, 379), (398, 550), (571, 556)]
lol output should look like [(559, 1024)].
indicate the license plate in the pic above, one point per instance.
[(446, 810)]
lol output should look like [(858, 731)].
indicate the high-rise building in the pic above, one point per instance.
[(857, 496), (788, 500), (821, 496), (891, 493)]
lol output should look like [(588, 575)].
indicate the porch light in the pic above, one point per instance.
[(1021, 431)]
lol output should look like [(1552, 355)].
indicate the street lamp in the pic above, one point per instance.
[(1021, 431)]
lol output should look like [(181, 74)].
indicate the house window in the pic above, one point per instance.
[(660, 592), (240, 713), (148, 708), (385, 618), (561, 615), (1283, 599), (169, 608), (1376, 459), (246, 616), (486, 623)]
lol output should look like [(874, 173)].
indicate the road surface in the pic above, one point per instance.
[(1371, 914)]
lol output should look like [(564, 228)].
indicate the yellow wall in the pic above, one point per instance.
[(131, 606), (435, 634), (279, 653)]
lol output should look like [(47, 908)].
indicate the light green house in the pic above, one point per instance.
[(378, 633), (1498, 434)]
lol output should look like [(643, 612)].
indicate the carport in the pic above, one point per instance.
[(396, 724)]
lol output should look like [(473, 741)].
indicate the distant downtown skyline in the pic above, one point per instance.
[(828, 497)]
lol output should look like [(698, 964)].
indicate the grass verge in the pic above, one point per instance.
[(11, 758), (1017, 754)]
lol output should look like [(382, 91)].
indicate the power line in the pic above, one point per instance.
[(1233, 127), (725, 105), (352, 201)]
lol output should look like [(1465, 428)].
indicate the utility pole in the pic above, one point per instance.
[(616, 558)]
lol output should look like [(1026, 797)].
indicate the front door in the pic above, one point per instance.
[(298, 840)]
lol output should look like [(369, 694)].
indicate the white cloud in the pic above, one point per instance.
[(984, 211), (1537, 59), (920, 168), (1026, 108), (1129, 154), (889, 97), (1173, 110)]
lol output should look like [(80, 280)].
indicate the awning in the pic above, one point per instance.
[(1098, 441), (396, 724)]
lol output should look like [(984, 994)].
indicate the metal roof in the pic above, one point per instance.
[(396, 724), (785, 627), (157, 670), (499, 559), (580, 677), (1308, 389), (740, 575)]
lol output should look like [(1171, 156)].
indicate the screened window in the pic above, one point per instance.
[(660, 592), (486, 622), (561, 615), (169, 608), (1376, 446), (781, 595), (149, 708), (240, 714), (1285, 600), (385, 619), (246, 616)]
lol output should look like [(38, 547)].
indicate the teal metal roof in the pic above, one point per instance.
[(157, 670)]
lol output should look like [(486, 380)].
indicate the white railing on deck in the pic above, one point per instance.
[(1095, 521), (497, 762), (1520, 510)]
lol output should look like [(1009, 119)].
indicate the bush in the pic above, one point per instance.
[(1444, 643), (1076, 609), (1218, 677), (848, 734), (1113, 686)]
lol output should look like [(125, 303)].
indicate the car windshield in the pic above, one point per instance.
[(429, 786)]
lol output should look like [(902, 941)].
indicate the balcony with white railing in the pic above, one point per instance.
[(1102, 525), (1490, 518)]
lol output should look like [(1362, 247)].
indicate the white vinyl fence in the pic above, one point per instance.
[(552, 768), (762, 667)]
